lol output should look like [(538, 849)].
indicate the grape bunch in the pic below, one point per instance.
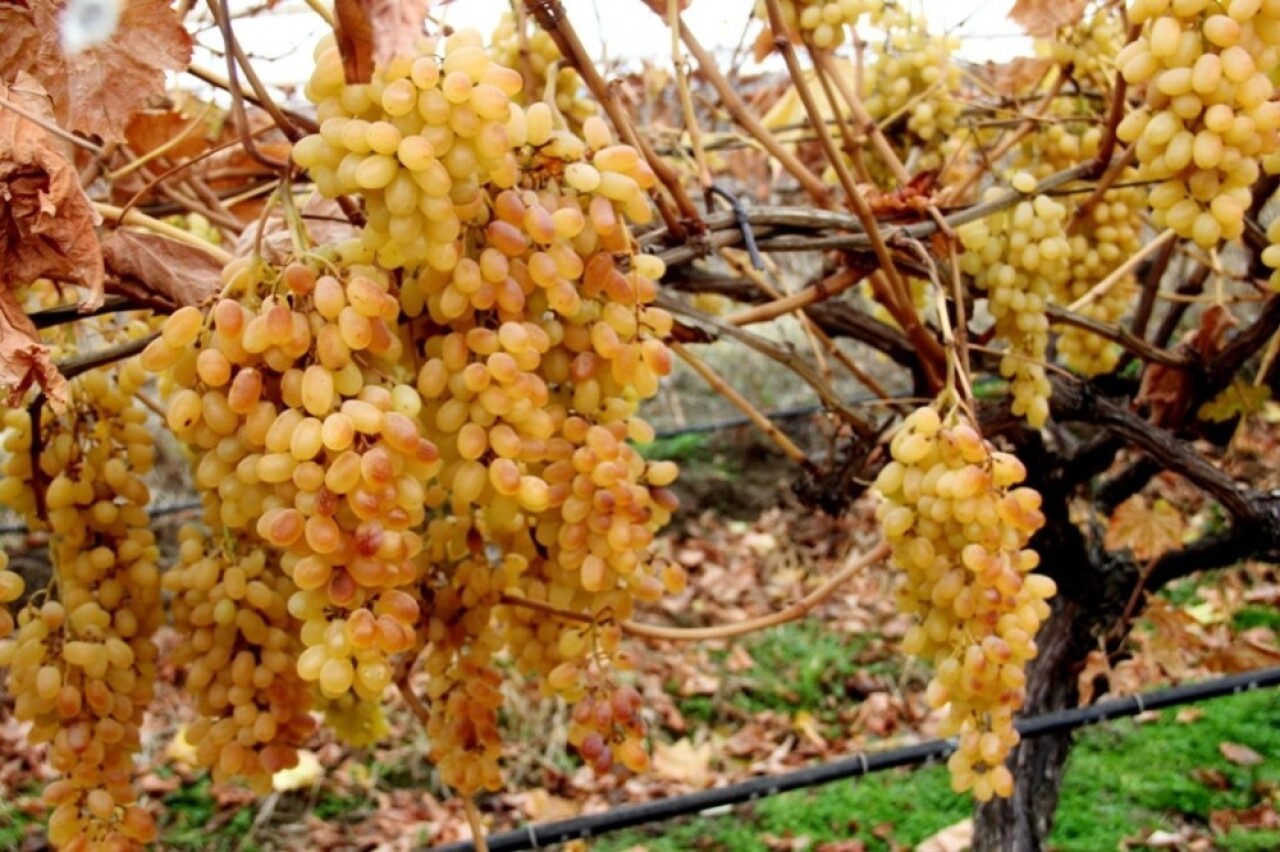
[(420, 440), (1101, 239), (552, 81), (11, 589), (1088, 46), (417, 143), (959, 526), (914, 77), (1208, 117), (239, 650), (822, 23), (82, 666), (1271, 254), (305, 439), (1019, 258)]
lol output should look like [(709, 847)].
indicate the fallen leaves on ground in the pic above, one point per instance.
[(953, 838), (1240, 755)]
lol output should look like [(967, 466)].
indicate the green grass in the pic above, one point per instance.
[(188, 811), (13, 827), (1121, 778), (799, 666), (1249, 617), (689, 446)]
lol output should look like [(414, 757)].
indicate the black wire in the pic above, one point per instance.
[(743, 221), (628, 816)]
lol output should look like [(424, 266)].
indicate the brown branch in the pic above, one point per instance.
[(742, 114), (72, 367), (724, 389), (1125, 338), (814, 293), (791, 612)]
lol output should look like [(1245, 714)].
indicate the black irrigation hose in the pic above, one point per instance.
[(627, 816)]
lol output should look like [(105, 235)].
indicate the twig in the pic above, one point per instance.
[(738, 110), (476, 823), (791, 612), (122, 216), (52, 128), (686, 99), (162, 149), (1128, 340), (72, 367), (814, 293), (1098, 290), (222, 16), (763, 423), (1115, 113), (784, 357), (306, 123), (930, 351)]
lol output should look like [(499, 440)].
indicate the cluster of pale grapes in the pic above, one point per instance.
[(239, 651), (1101, 239), (82, 666), (823, 23), (418, 443), (553, 80), (1208, 116), (914, 77), (1088, 46), (959, 529), (1019, 258), (1271, 254)]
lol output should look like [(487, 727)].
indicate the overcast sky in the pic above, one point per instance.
[(620, 29)]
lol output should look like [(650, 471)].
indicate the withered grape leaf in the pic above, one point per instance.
[(371, 31), (47, 224), (1042, 18), (96, 90)]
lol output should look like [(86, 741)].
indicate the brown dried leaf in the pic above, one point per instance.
[(182, 274), (96, 90), (47, 225), (149, 129), (1042, 18), (1240, 755), (371, 31), (322, 217), (1147, 529), (1015, 77), (23, 358)]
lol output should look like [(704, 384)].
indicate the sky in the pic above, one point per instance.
[(618, 29)]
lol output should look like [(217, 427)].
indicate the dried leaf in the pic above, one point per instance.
[(1146, 529), (47, 225), (96, 90), (371, 31), (684, 762), (149, 129), (1240, 755), (953, 838), (23, 358), (1042, 18), (1015, 77), (181, 273)]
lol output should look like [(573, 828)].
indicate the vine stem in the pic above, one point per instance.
[(136, 217), (476, 823), (724, 389), (738, 110), (792, 612), (824, 289)]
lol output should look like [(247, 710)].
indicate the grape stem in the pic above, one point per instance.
[(477, 825), (792, 612)]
